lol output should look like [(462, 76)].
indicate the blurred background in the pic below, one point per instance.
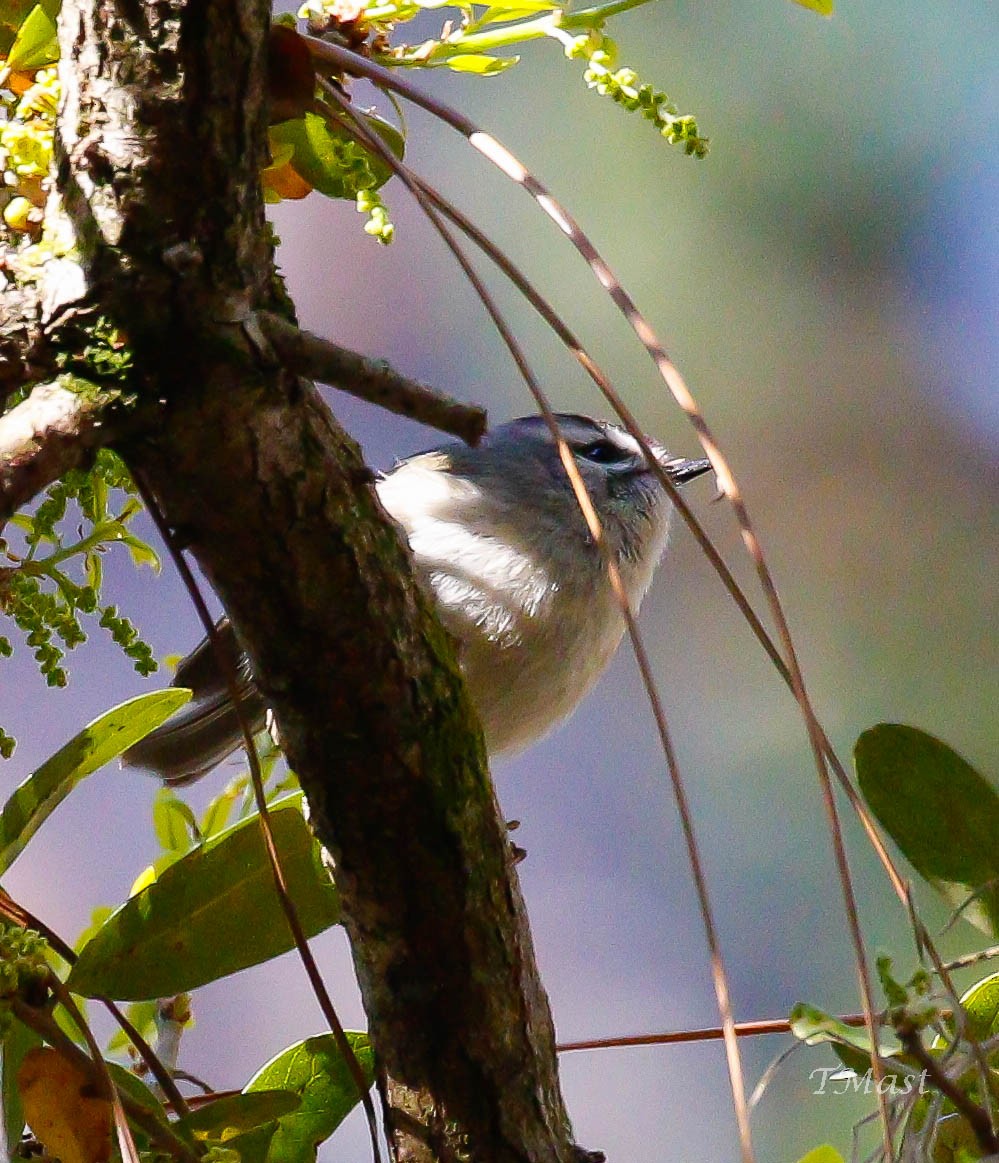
[(827, 283)]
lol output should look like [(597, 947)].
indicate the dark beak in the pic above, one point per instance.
[(682, 471)]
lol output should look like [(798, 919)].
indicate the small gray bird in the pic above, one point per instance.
[(499, 541)]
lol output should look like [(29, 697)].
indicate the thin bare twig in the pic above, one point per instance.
[(372, 380), (973, 958), (718, 972), (603, 383), (705, 1034), (771, 1071), (505, 161)]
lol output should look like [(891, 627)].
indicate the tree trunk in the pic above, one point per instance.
[(161, 139)]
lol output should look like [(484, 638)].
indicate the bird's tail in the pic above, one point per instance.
[(207, 730)]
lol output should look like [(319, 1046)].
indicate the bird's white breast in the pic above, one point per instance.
[(535, 630)]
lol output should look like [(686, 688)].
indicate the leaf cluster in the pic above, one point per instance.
[(203, 910), (29, 95), (311, 148), (471, 35), (940, 1053), (314, 150), (53, 578)]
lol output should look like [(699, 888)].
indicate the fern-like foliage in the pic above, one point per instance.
[(51, 579)]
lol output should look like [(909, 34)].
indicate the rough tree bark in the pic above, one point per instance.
[(161, 138)]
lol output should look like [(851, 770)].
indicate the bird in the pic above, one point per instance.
[(501, 545)]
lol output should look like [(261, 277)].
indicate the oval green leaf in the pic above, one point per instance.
[(316, 1071), (174, 822), (253, 1146), (389, 134), (212, 913), (954, 1141), (100, 741), (140, 552), (941, 813), (133, 1086)]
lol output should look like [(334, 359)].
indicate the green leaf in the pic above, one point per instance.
[(97, 918), (216, 815), (479, 64), (941, 813), (131, 506), (502, 13), (99, 492), (813, 1026), (67, 1022), (214, 912), (100, 741), (174, 822), (93, 571), (981, 1004), (389, 134), (823, 1154), (17, 1041), (822, 7), (253, 1146), (12, 14), (224, 1118), (140, 552), (36, 43), (330, 160), (314, 1070), (136, 1089), (132, 1086)]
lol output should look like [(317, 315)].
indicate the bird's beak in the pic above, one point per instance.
[(682, 471)]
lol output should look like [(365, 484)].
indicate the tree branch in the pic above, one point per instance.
[(54, 430), (370, 379)]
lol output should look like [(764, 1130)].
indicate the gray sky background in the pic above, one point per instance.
[(826, 281)]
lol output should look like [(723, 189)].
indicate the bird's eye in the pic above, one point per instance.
[(604, 452)]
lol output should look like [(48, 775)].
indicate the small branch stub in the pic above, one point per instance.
[(57, 428), (371, 380)]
